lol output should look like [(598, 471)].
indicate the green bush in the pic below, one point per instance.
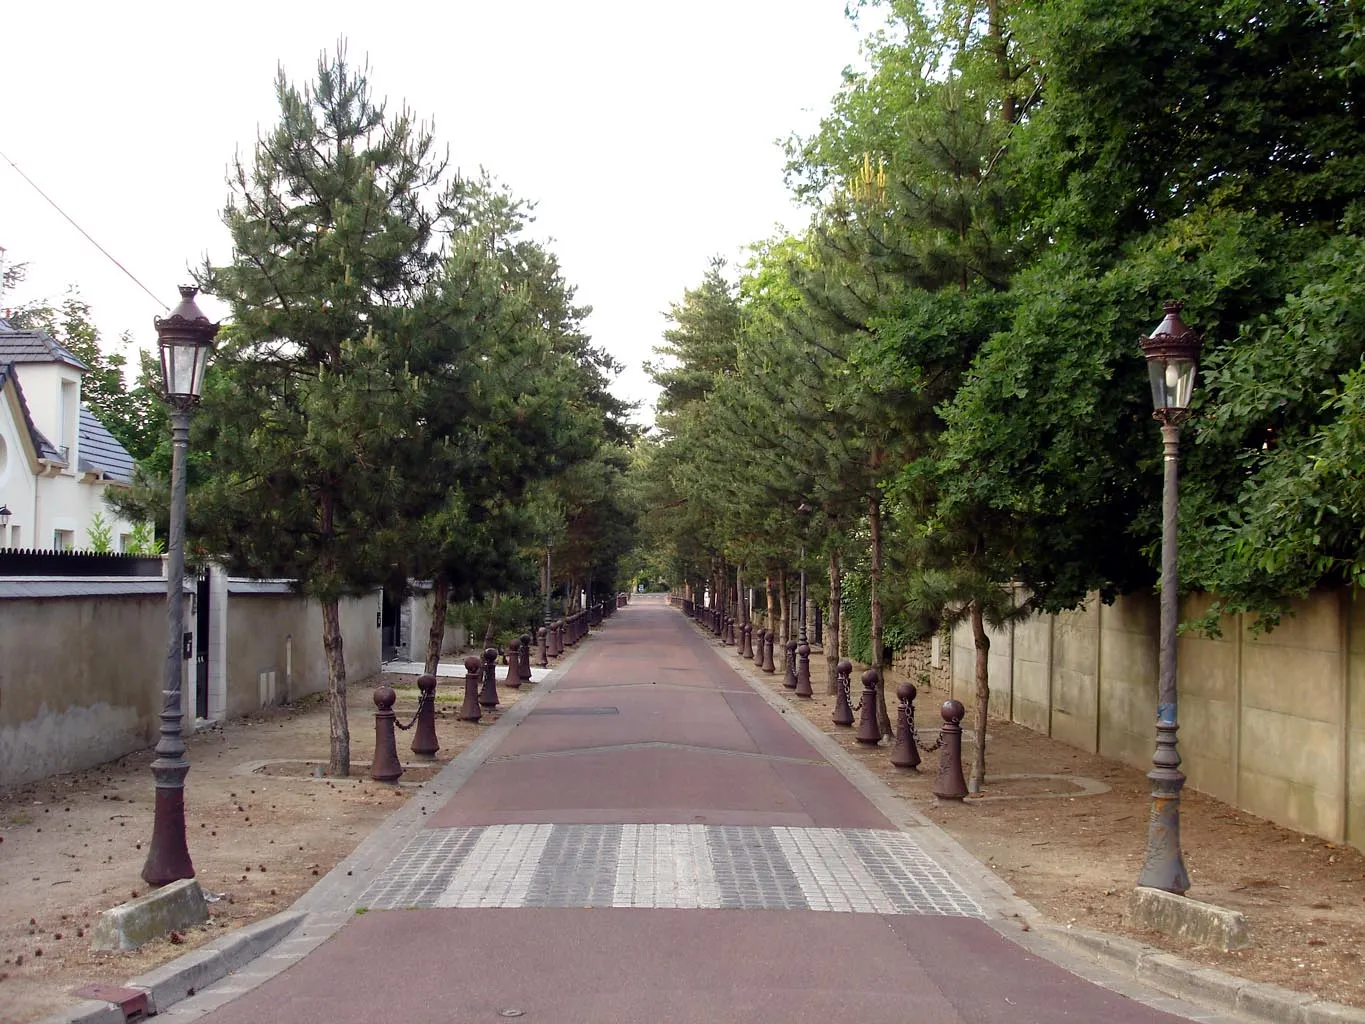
[(512, 616)]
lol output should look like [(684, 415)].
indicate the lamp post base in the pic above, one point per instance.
[(1164, 865), (168, 859)]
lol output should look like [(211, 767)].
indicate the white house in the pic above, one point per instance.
[(56, 459)]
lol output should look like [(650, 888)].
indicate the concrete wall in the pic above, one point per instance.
[(417, 628), (274, 645), (81, 674), (1270, 722), (80, 681)]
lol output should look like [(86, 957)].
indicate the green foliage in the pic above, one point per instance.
[(144, 541), (509, 617), (101, 535)]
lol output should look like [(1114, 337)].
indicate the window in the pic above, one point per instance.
[(125, 540), (63, 540)]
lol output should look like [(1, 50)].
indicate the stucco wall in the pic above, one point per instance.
[(80, 681), (1271, 722), (419, 628), (280, 636), (81, 677)]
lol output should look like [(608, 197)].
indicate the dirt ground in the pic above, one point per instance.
[(1076, 855), (260, 835)]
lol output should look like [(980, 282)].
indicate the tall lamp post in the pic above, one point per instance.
[(803, 688), (186, 339), (1172, 353)]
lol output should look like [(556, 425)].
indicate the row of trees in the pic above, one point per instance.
[(404, 388), (944, 363)]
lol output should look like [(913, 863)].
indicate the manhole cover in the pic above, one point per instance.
[(576, 711)]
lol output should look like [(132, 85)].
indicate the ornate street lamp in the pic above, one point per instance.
[(186, 339), (1172, 354)]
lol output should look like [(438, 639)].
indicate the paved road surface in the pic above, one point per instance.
[(652, 841)]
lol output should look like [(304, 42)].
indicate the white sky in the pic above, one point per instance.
[(645, 131)]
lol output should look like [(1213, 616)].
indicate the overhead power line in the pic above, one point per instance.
[(51, 202)]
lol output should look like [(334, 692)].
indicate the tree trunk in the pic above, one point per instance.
[(339, 763), (440, 601), (741, 612), (836, 590), (768, 598), (874, 523), (488, 631), (784, 606), (983, 698)]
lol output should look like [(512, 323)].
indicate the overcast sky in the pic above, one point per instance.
[(644, 131)]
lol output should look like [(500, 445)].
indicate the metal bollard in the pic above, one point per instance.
[(385, 767), (843, 710), (803, 671), (757, 653), (524, 665), (869, 732), (513, 679), (746, 641), (542, 652), (556, 638), (768, 665), (789, 665), (489, 697), (424, 742), (905, 751), (950, 784), (473, 669)]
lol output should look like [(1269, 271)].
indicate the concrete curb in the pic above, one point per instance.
[(1251, 1000), (258, 951), (1127, 966), (185, 975)]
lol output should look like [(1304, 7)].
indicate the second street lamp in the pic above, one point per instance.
[(1172, 354), (803, 646), (186, 339)]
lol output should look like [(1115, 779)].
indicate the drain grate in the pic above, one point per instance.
[(576, 711)]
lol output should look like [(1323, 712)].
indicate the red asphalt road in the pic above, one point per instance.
[(668, 756)]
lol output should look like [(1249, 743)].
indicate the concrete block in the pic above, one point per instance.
[(170, 908), (1201, 923)]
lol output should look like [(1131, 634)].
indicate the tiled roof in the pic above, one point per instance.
[(45, 448), (34, 347), (101, 452)]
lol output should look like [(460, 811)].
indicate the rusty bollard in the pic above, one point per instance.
[(869, 732), (789, 665), (768, 665), (843, 710), (513, 663), (473, 669), (386, 767), (524, 665), (905, 751), (424, 742), (542, 651), (489, 697), (557, 638), (803, 670), (950, 784), (757, 653), (746, 641)]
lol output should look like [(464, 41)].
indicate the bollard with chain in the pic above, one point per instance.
[(869, 732), (385, 767), (843, 709), (424, 742), (950, 784), (489, 697), (542, 651), (768, 665), (789, 665), (513, 663), (524, 665), (473, 669), (803, 670), (905, 751)]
